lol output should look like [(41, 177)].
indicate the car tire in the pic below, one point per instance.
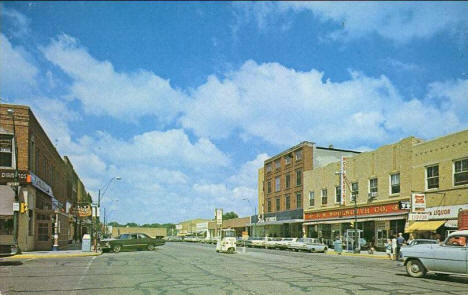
[(150, 247), (116, 248), (415, 269)]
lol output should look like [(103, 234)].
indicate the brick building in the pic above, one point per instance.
[(45, 194), (282, 187), (380, 180)]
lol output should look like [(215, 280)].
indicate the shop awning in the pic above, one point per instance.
[(425, 225), (277, 222), (7, 198)]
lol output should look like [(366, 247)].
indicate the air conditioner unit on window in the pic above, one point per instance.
[(372, 195)]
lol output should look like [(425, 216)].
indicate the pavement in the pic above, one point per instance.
[(72, 250), (191, 269)]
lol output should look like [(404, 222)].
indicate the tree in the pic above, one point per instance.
[(230, 215), (131, 224)]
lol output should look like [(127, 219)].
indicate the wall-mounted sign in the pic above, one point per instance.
[(9, 176), (445, 212), (40, 184), (219, 216), (269, 219), (418, 216), (418, 202), (362, 211), (83, 211)]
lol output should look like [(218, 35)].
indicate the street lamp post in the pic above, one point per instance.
[(11, 112), (254, 232)]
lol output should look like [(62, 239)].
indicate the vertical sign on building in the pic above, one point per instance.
[(343, 179), (418, 202), (219, 216)]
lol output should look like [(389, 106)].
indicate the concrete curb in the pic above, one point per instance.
[(358, 255), (58, 255)]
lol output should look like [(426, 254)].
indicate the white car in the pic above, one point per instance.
[(285, 242), (449, 257), (309, 245)]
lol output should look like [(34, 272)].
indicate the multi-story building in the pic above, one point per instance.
[(379, 187), (45, 204), (282, 187)]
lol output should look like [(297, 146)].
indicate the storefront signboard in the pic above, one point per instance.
[(445, 212), (83, 211), (9, 176), (219, 216), (392, 208), (40, 184), (418, 202), (418, 216), (269, 219)]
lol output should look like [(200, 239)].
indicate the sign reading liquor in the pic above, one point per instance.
[(418, 202), (445, 212), (363, 211)]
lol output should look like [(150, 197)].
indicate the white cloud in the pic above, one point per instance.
[(400, 22), (248, 172), (284, 106), (17, 23), (17, 74), (104, 91)]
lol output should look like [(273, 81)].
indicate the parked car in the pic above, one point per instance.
[(131, 241), (285, 242), (308, 244), (449, 257), (422, 241), (272, 243)]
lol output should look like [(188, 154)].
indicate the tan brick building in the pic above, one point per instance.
[(380, 180), (282, 187), (46, 190)]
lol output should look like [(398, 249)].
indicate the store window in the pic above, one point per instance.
[(324, 197), (298, 200), (278, 204), (432, 176), (311, 199), (6, 225), (287, 202), (31, 222), (395, 183), (277, 184), (354, 191), (298, 177), (460, 175), (6, 150), (43, 231), (338, 194)]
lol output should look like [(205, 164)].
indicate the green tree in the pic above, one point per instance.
[(230, 215), (131, 224)]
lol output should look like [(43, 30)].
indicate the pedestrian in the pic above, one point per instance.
[(388, 249), (394, 247), (400, 242), (410, 239)]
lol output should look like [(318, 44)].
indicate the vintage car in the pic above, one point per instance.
[(421, 241), (308, 244), (285, 242), (449, 257), (131, 241)]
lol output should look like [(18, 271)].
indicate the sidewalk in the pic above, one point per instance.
[(71, 250), (376, 254)]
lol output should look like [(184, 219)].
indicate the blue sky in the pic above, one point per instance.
[(185, 101)]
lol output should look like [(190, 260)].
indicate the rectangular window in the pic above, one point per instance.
[(268, 167), (395, 183), (43, 231), (432, 177), (6, 150), (298, 155), (278, 204), (277, 184), (311, 199), (287, 202), (298, 177), (298, 200), (278, 164), (30, 223), (288, 180), (6, 225), (288, 159), (373, 185), (269, 186), (338, 194), (269, 205), (324, 197), (460, 175), (354, 191)]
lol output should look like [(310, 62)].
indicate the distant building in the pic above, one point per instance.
[(197, 226)]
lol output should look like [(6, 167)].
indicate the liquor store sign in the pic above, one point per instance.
[(362, 211)]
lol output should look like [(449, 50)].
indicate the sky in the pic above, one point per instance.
[(184, 101)]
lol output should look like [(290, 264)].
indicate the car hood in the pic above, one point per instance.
[(108, 240)]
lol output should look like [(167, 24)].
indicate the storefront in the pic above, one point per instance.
[(285, 224), (435, 222), (376, 222)]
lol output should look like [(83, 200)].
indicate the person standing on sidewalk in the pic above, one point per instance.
[(388, 249), (394, 247), (400, 242)]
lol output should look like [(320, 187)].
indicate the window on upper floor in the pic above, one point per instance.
[(432, 176), (298, 155), (268, 167), (287, 202), (288, 180), (269, 186), (6, 150), (373, 186), (277, 184), (298, 177), (311, 199), (460, 172), (337, 194), (354, 191), (288, 159), (278, 204), (298, 200), (269, 205), (324, 196), (395, 183), (278, 164)]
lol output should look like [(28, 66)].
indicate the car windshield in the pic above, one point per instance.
[(232, 147)]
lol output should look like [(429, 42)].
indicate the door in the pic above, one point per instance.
[(451, 256), (143, 240)]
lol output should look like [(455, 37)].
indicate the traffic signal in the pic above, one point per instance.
[(23, 207)]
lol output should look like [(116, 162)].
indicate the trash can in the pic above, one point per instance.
[(338, 246), (86, 244)]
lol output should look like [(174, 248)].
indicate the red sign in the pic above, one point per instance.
[(362, 211)]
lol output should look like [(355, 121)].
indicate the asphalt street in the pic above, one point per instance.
[(183, 268)]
